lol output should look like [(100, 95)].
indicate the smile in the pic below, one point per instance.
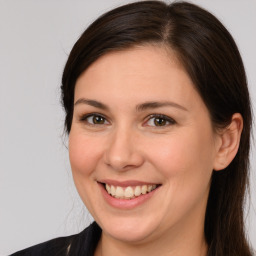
[(126, 195), (129, 192)]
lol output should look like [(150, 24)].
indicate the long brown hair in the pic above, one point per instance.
[(212, 60)]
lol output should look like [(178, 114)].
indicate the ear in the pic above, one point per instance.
[(229, 143)]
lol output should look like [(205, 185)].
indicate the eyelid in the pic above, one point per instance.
[(83, 118), (171, 121), (167, 118)]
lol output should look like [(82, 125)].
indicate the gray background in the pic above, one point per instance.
[(37, 196)]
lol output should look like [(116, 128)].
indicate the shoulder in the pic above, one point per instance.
[(57, 246), (78, 244)]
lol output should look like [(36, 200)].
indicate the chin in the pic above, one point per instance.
[(131, 231)]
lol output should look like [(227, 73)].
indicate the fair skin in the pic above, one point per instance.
[(138, 120)]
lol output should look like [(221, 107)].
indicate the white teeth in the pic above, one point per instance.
[(150, 188), (128, 192), (113, 191), (108, 188), (144, 189), (137, 191), (119, 192)]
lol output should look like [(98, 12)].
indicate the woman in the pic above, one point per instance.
[(158, 116)]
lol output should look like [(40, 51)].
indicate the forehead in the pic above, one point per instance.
[(143, 73)]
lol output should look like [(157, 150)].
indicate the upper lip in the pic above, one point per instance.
[(126, 183)]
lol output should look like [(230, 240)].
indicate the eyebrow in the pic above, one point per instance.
[(92, 103), (139, 108), (155, 104)]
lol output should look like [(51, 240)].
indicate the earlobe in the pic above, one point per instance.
[(230, 140)]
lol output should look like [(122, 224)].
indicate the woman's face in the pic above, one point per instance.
[(141, 130)]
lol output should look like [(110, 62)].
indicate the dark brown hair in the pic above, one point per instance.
[(212, 60)]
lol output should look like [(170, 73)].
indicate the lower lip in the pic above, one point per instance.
[(126, 203)]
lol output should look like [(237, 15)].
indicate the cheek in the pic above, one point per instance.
[(185, 157), (83, 155), (185, 164)]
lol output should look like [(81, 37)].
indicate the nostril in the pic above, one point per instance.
[(122, 156)]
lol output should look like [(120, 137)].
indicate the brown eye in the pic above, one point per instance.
[(158, 120), (94, 119), (98, 120)]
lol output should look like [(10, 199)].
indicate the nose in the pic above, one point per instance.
[(122, 152)]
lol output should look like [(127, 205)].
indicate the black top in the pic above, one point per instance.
[(83, 244)]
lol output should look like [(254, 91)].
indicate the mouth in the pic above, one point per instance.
[(129, 192)]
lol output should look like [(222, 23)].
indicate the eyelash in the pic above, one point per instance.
[(165, 118), (168, 120), (84, 118)]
